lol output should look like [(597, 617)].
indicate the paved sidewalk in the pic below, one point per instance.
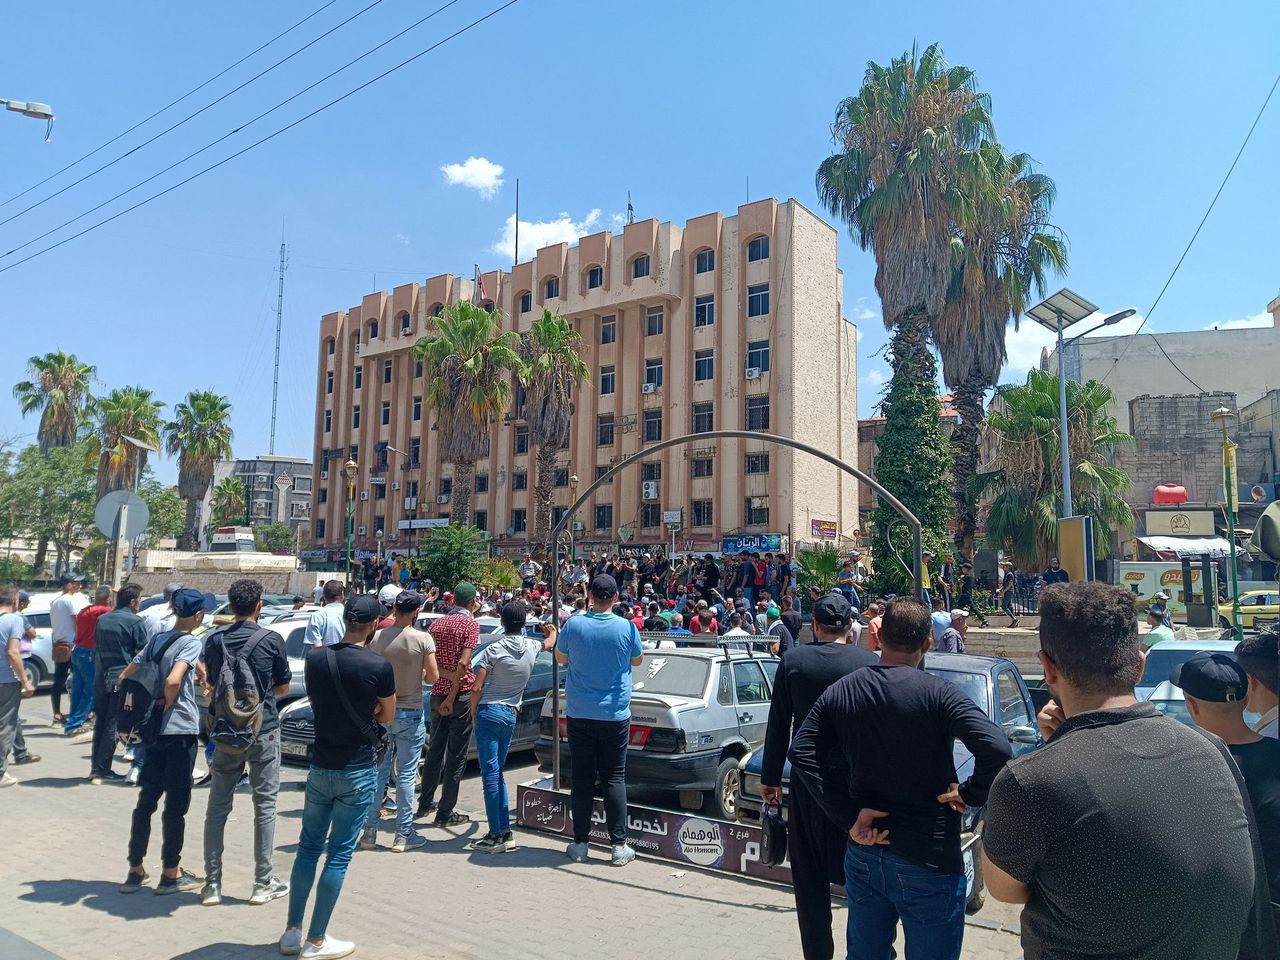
[(65, 854)]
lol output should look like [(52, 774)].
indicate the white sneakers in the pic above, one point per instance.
[(8, 781), (331, 949), (578, 852), (622, 855)]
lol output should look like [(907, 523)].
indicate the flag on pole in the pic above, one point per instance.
[(631, 211)]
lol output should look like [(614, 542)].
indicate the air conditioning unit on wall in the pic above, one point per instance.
[(364, 494), (759, 503), (395, 484), (360, 531), (649, 489), (649, 388), (324, 474), (443, 498), (752, 373)]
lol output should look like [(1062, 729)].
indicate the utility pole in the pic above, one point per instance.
[(275, 377)]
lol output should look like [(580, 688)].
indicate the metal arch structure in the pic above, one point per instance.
[(553, 581)]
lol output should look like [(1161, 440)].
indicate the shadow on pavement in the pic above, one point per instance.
[(103, 895), (53, 781), (220, 951)]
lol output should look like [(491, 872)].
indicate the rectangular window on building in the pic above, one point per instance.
[(521, 398), (355, 417), (756, 463), (601, 470), (323, 495), (640, 266), (552, 288), (758, 300), (386, 412), (653, 371), (653, 322), (755, 512), (702, 514), (701, 466), (411, 489), (386, 371), (358, 379), (415, 451), (417, 370), (379, 491), (353, 452), (328, 421), (595, 278), (607, 381), (758, 249), (705, 261), (380, 454), (652, 426), (518, 522), (651, 515), (417, 408), (405, 324), (557, 514), (604, 430), (704, 364), (704, 310), (757, 413), (526, 302), (562, 476), (519, 480), (758, 354), (481, 483), (332, 347), (604, 516), (651, 470), (320, 529), (328, 382), (522, 440), (609, 328), (481, 519), (704, 418), (446, 486)]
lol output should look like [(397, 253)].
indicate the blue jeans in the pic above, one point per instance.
[(883, 887), (334, 810), (82, 667), (409, 734), (495, 722)]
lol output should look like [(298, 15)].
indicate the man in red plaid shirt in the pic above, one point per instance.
[(456, 636)]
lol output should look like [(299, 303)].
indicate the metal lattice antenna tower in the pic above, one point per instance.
[(275, 376)]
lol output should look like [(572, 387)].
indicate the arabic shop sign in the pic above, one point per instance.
[(822, 529), (759, 542)]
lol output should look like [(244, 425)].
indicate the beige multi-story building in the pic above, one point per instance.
[(730, 322)]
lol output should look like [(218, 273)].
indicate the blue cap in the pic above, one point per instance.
[(187, 602), (23, 596)]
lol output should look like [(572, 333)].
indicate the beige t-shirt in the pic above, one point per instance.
[(405, 647)]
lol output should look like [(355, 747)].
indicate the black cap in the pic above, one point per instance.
[(832, 611), (362, 608), (71, 577), (407, 600), (604, 586), (1214, 677)]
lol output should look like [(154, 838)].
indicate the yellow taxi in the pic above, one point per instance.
[(1263, 605)]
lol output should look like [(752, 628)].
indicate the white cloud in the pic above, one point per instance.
[(864, 309), (481, 175), (402, 239), (617, 221), (873, 378), (536, 234), (1025, 345), (1253, 320)]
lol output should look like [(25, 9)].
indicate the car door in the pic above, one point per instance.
[(535, 692), (1255, 604), (1013, 713), (751, 698)]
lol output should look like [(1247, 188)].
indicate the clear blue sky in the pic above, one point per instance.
[(1135, 109)]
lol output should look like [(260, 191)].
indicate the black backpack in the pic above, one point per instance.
[(235, 712), (139, 699)]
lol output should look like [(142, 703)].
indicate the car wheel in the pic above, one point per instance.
[(721, 802), (978, 896), (35, 673)]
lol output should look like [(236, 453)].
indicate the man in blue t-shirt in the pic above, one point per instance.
[(600, 649)]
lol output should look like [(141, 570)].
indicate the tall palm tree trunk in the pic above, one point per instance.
[(191, 532), (464, 478), (965, 442), (544, 493)]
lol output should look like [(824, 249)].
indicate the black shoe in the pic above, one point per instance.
[(423, 810), (110, 776), (29, 758), (133, 882), (452, 820)]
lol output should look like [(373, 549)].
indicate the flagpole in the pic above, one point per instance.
[(515, 257)]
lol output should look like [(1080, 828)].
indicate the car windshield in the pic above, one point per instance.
[(674, 676), (1176, 709), (973, 684), (1161, 664)]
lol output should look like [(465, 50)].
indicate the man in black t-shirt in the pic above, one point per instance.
[(815, 845), (791, 619), (270, 668), (653, 622), (350, 687), (1125, 836)]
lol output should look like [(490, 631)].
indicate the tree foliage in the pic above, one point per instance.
[(498, 571), (198, 435), (819, 568), (1025, 484), (227, 504), (273, 536), (58, 389), (167, 511), (50, 496), (449, 555), (124, 412)]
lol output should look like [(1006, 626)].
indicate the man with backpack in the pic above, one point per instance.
[(247, 668), (156, 708), (117, 636)]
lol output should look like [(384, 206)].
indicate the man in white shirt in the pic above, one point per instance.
[(326, 626), (62, 631), (160, 616), (1258, 655)]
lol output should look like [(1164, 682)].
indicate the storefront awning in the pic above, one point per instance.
[(1192, 546)]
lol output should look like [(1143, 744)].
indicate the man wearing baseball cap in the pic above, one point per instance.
[(600, 650), (1216, 688)]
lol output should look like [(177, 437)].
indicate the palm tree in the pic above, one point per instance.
[(468, 361), (198, 434), (1025, 484), (124, 412), (59, 389), (552, 366), (1000, 261), (227, 502)]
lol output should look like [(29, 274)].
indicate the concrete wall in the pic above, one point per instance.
[(217, 581)]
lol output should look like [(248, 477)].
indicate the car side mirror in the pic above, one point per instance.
[(1023, 735)]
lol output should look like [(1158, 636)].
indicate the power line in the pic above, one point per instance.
[(1212, 203), (228, 134), (190, 116), (270, 136), (171, 103)]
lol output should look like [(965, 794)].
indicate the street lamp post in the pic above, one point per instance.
[(29, 108), (1223, 416), (378, 534), (1062, 310), (350, 470), (573, 495)]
